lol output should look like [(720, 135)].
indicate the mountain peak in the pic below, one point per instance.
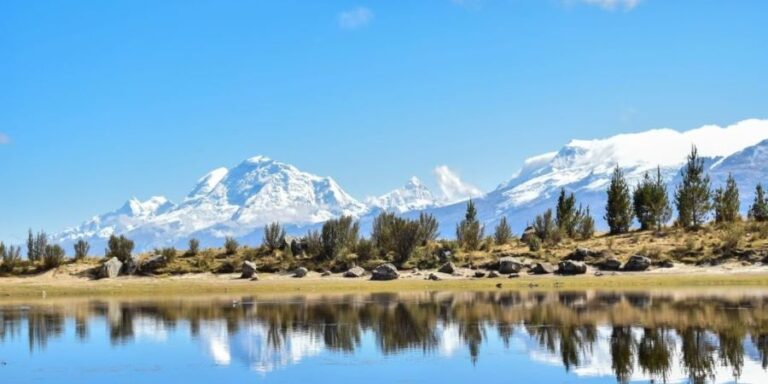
[(412, 196)]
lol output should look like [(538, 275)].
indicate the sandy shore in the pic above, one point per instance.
[(67, 282)]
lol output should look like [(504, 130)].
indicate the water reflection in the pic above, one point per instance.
[(629, 336)]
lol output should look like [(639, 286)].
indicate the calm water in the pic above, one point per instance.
[(546, 337)]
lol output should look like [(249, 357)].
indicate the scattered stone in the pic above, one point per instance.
[(479, 274), (571, 267), (667, 264), (300, 272), (354, 272), (249, 270), (510, 265), (542, 268), (493, 274), (514, 275), (598, 273), (153, 263), (581, 254), (448, 268), (385, 272), (433, 277), (111, 268), (325, 273), (637, 263), (610, 264)]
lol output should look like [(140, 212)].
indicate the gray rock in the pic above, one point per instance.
[(510, 265), (637, 263), (610, 264), (296, 247), (581, 254), (354, 272), (300, 272), (571, 267), (444, 255), (479, 274), (153, 263), (448, 268), (129, 267), (325, 273), (255, 278), (667, 264), (542, 268), (249, 270), (385, 272), (493, 274), (111, 268), (433, 277)]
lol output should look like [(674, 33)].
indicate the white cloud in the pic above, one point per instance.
[(612, 4), (4, 139), (355, 18), (453, 188)]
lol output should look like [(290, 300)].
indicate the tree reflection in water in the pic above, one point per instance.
[(646, 335)]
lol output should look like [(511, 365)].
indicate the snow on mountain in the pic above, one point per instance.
[(413, 196)]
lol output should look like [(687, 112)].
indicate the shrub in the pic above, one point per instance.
[(618, 208), (9, 258), (585, 228), (759, 209), (534, 243), (397, 235), (469, 232), (194, 247), (545, 228), (119, 247), (428, 228), (693, 196), (503, 232), (338, 236), (313, 244), (53, 256), (274, 236), (230, 245), (726, 202), (730, 239), (81, 249), (36, 246), (168, 253), (365, 249)]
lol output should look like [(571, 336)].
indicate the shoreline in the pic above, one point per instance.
[(52, 284)]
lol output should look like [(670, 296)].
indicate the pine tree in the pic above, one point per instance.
[(567, 217), (651, 202), (693, 196), (469, 232), (618, 209), (503, 233), (31, 256), (759, 209), (726, 202)]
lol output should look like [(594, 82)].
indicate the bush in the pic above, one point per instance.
[(730, 239), (503, 233), (274, 236), (194, 247), (81, 249), (545, 228), (338, 236), (397, 235), (119, 247), (585, 227), (469, 232), (53, 256), (365, 249), (312, 244), (230, 245), (9, 258), (534, 243), (169, 254)]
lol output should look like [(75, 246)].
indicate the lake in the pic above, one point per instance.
[(449, 337)]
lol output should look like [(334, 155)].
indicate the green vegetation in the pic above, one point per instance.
[(503, 232), (230, 245), (726, 202), (194, 247), (618, 208), (53, 256), (693, 196), (469, 232), (81, 249), (759, 209), (651, 202), (119, 247), (338, 237), (274, 236)]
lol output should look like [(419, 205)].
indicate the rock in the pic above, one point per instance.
[(111, 268), (514, 275), (493, 274), (610, 264), (354, 272), (249, 270), (598, 274), (510, 265), (129, 267), (433, 277), (444, 255), (153, 263), (448, 268), (300, 272), (637, 263), (542, 268), (527, 234), (667, 264), (385, 272), (582, 254), (325, 273), (255, 278), (479, 274), (296, 247), (571, 267)]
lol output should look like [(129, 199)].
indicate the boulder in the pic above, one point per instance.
[(510, 265), (433, 277), (111, 268), (637, 263), (153, 263), (385, 272), (542, 268), (448, 268), (528, 234), (493, 274), (325, 273), (249, 270), (300, 272), (479, 274), (571, 267), (582, 254), (610, 264), (354, 272), (444, 255), (667, 264), (296, 247), (130, 267)]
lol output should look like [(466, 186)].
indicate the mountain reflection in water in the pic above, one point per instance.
[(620, 336)]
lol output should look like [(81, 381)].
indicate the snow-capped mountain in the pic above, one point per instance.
[(241, 200), (414, 196)]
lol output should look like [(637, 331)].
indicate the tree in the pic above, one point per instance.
[(31, 255), (618, 209), (428, 228), (545, 228), (469, 232), (759, 209), (274, 236), (9, 258), (651, 202), (194, 247), (81, 249), (230, 245), (726, 202), (36, 245), (693, 197), (585, 228), (312, 243), (119, 247), (567, 216), (503, 233), (338, 236), (53, 257)]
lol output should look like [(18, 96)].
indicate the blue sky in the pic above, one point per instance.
[(104, 100)]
